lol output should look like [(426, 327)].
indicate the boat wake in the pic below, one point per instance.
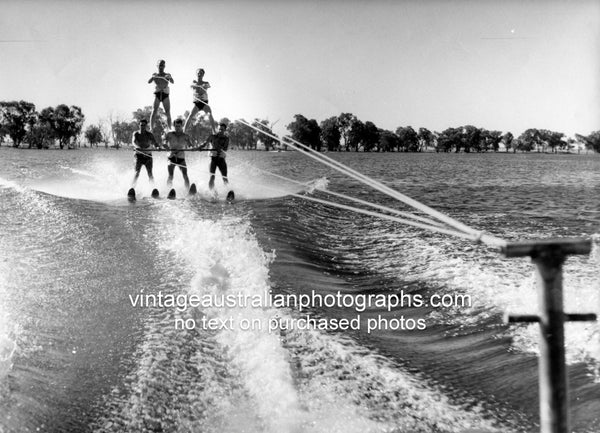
[(102, 181), (235, 377)]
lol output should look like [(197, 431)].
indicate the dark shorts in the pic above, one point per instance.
[(161, 96), (201, 104), (177, 161), (143, 160), (217, 162)]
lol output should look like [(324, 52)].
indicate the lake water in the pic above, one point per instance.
[(77, 356)]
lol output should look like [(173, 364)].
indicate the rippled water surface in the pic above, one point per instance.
[(77, 356)]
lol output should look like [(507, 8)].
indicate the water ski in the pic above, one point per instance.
[(154, 193), (230, 197), (172, 194), (193, 189), (131, 194)]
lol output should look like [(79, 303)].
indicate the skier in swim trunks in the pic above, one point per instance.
[(142, 142), (177, 141), (200, 100), (219, 143), (161, 93)]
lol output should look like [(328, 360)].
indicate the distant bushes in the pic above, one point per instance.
[(63, 125), (20, 121), (346, 132)]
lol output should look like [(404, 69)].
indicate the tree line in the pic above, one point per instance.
[(348, 133), (20, 121), (63, 124), (241, 137)]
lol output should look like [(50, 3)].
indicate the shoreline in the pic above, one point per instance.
[(429, 151)]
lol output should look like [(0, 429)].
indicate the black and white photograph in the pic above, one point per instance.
[(300, 216)]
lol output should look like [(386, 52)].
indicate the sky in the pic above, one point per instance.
[(500, 65)]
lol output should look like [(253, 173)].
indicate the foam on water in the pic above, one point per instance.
[(497, 285), (104, 181), (5, 183), (225, 258), (336, 377), (99, 180), (9, 264), (252, 183), (298, 381), (8, 343)]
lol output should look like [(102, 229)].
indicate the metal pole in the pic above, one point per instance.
[(548, 257), (554, 412)]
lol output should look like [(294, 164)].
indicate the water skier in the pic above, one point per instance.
[(142, 142), (219, 144), (177, 141), (200, 100), (161, 92)]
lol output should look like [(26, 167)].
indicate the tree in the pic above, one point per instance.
[(594, 140), (370, 137), (571, 142), (241, 136), (345, 122), (93, 135), (450, 138), (122, 132), (388, 141), (508, 140), (17, 118), (160, 124), (200, 129), (553, 139), (408, 139), (491, 140), (530, 139), (268, 141), (425, 137), (306, 131), (67, 123), (355, 135), (3, 132), (518, 145), (43, 134), (314, 135), (471, 138), (591, 142), (105, 130), (144, 113), (330, 133)]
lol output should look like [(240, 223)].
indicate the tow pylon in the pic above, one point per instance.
[(548, 257)]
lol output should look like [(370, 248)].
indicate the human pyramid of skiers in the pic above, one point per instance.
[(177, 140)]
